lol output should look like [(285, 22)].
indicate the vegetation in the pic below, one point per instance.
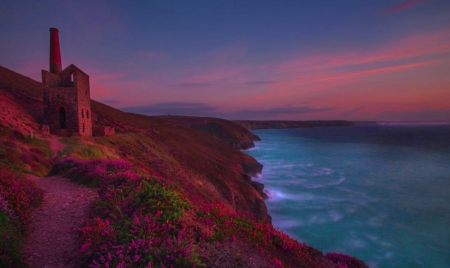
[(170, 195), (85, 148), (23, 154), (134, 221), (143, 220), (18, 196)]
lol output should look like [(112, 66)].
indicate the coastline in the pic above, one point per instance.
[(253, 170), (279, 124)]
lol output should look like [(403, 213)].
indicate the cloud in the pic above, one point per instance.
[(315, 73), (194, 84), (257, 83), (174, 108), (407, 4), (352, 111)]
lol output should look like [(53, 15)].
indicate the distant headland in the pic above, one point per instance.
[(259, 124)]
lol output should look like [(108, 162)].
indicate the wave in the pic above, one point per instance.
[(317, 186)]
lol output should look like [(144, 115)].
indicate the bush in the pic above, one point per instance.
[(18, 197), (133, 221)]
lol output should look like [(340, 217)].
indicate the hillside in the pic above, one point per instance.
[(226, 131), (172, 191)]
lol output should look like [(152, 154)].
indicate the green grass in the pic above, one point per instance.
[(23, 154), (86, 148)]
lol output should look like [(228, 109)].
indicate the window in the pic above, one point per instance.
[(83, 127), (82, 113), (87, 114), (71, 77), (62, 118)]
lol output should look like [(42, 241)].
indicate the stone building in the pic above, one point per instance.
[(67, 102)]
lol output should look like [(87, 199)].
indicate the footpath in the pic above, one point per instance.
[(53, 237)]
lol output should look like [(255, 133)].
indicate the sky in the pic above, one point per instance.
[(385, 60)]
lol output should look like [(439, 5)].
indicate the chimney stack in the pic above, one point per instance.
[(55, 53)]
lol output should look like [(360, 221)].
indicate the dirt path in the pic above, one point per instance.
[(56, 146), (53, 237)]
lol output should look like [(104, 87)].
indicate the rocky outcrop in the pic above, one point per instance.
[(259, 187), (252, 169)]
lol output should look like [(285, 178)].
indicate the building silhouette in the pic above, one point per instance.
[(67, 102)]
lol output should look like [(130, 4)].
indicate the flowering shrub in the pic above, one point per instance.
[(133, 220), (96, 172), (19, 195), (24, 157), (137, 222), (231, 225), (17, 198)]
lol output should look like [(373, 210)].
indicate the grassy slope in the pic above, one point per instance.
[(231, 133), (19, 155), (203, 168)]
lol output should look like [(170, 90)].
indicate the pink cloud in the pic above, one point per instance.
[(403, 6), (319, 72), (405, 48)]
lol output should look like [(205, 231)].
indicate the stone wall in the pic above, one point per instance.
[(50, 79), (102, 131), (67, 93), (81, 82), (55, 99)]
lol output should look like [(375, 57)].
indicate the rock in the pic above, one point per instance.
[(259, 187)]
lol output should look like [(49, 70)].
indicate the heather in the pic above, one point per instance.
[(143, 220), (133, 222), (23, 153), (18, 196)]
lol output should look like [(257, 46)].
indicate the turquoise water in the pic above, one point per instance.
[(380, 193)]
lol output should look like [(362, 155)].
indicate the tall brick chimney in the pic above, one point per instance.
[(55, 53)]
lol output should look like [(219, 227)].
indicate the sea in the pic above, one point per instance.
[(380, 193)]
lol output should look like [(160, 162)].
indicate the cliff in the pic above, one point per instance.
[(231, 133), (159, 178)]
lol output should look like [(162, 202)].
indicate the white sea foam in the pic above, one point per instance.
[(317, 219), (335, 216), (372, 237), (279, 195), (358, 243), (377, 221), (340, 181), (322, 172)]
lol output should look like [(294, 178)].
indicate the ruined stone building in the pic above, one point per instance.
[(67, 102)]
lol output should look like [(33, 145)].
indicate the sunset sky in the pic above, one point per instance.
[(297, 60)]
